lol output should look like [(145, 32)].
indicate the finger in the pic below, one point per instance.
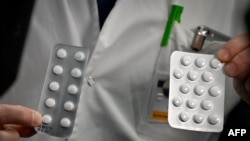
[(9, 135), (233, 47), (12, 114), (242, 86), (239, 66), (23, 131)]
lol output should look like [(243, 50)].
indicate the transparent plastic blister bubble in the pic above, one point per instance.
[(62, 89), (196, 92)]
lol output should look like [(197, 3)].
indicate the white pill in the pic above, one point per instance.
[(72, 89), (183, 116), (206, 104), (50, 102), (177, 102), (61, 53), (200, 62), (215, 63), (214, 91), (178, 73), (54, 86), (207, 76), (80, 56), (65, 122), (199, 90), (58, 69), (46, 119), (191, 104), (75, 72), (184, 88), (198, 119), (192, 75), (213, 119), (69, 106), (186, 60)]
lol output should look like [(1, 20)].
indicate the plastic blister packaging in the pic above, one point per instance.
[(62, 89), (196, 92)]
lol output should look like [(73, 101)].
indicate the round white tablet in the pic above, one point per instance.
[(72, 89), (61, 53), (191, 104), (199, 90), (200, 62), (186, 60), (54, 86), (192, 75), (215, 63), (198, 119), (184, 88), (75, 72), (214, 91), (206, 104), (69, 106), (80, 56), (65, 122), (178, 73), (46, 119), (58, 69), (183, 117), (213, 119), (207, 76), (50, 102), (177, 102)]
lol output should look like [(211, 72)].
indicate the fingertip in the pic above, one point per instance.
[(223, 54), (231, 69), (36, 118)]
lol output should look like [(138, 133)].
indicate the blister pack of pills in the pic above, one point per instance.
[(196, 92), (62, 89)]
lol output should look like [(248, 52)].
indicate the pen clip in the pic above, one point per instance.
[(175, 15)]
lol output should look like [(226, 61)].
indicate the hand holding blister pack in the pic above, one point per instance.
[(196, 96), (62, 89)]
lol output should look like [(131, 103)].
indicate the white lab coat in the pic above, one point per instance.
[(124, 53)]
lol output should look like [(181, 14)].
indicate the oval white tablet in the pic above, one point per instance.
[(58, 69), (50, 102), (79, 56), (61, 53), (54, 86), (75, 72), (72, 89), (46, 119), (69, 106), (65, 122)]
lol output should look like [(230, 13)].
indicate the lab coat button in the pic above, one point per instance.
[(91, 81)]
